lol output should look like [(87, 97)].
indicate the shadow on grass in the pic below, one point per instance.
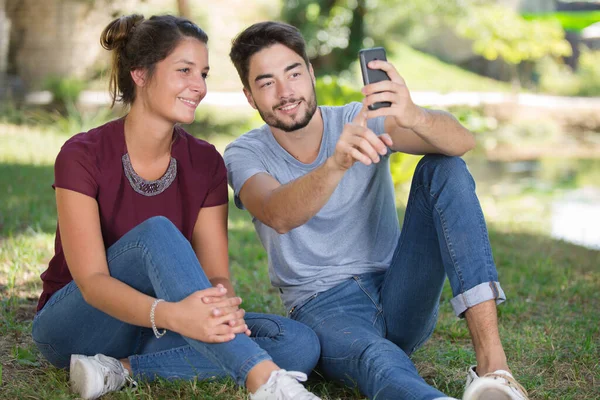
[(548, 325), (27, 200)]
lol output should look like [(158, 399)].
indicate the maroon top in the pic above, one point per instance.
[(90, 163)]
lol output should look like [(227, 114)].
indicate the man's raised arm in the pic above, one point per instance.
[(285, 207)]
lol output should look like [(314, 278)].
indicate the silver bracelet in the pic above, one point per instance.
[(156, 332)]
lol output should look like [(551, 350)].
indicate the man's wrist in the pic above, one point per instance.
[(423, 119), (332, 166)]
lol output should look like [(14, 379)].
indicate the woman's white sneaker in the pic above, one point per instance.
[(284, 385), (92, 377)]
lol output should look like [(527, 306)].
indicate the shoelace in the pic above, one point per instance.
[(510, 381), (114, 374), (287, 385)]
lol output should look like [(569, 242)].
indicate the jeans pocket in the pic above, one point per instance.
[(53, 356), (294, 311)]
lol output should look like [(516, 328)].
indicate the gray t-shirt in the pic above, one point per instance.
[(357, 230)]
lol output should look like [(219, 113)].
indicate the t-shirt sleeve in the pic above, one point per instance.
[(75, 169), (242, 164), (217, 192)]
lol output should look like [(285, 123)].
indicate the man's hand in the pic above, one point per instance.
[(402, 109), (359, 143)]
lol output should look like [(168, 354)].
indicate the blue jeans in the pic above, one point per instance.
[(368, 326), (156, 259)]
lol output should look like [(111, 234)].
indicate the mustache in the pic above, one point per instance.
[(288, 101)]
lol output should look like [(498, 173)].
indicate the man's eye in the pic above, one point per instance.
[(184, 70)]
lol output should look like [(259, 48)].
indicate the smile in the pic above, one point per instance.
[(190, 103), (289, 107)]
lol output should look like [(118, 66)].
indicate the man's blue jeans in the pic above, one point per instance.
[(368, 326), (156, 259)]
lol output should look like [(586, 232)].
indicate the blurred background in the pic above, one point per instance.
[(522, 75)]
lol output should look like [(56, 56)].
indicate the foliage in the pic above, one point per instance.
[(557, 78), (64, 90), (72, 120), (331, 92), (410, 21), (574, 21), (423, 71), (499, 32), (474, 119), (333, 29)]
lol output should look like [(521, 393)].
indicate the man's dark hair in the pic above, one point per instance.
[(262, 35)]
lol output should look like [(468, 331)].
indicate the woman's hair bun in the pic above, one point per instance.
[(117, 33)]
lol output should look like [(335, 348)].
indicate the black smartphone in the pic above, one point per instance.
[(373, 75)]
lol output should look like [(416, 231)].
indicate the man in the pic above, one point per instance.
[(317, 182)]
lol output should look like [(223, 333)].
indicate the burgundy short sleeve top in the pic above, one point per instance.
[(90, 163)]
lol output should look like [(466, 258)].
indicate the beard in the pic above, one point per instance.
[(299, 120)]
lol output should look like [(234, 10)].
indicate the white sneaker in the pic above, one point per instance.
[(92, 377), (284, 385), (497, 385)]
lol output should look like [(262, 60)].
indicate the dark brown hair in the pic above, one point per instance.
[(141, 43), (259, 36)]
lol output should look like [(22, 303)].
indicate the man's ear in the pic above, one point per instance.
[(312, 73), (249, 98), (139, 77)]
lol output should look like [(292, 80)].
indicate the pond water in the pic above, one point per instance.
[(569, 189)]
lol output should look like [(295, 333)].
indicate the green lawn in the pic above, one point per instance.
[(549, 326)]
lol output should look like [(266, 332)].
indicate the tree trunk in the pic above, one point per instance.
[(184, 9), (4, 36)]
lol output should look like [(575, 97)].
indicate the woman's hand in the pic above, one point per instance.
[(215, 321)]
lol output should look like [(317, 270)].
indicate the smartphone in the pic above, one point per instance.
[(373, 75)]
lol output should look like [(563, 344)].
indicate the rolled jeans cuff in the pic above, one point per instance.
[(476, 295)]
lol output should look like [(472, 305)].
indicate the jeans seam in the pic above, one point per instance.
[(151, 263), (58, 296), (123, 250), (244, 369), (448, 243), (377, 306)]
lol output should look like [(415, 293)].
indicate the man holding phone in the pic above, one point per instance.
[(317, 183)]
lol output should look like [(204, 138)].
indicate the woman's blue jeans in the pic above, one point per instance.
[(156, 259), (369, 325)]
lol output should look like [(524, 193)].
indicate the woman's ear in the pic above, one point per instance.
[(139, 76)]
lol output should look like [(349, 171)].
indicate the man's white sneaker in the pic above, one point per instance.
[(92, 377), (284, 385), (497, 385)]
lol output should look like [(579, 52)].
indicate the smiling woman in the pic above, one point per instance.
[(140, 276)]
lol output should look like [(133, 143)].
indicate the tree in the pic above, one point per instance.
[(334, 30), (183, 7), (499, 32)]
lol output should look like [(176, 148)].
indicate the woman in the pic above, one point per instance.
[(140, 272)]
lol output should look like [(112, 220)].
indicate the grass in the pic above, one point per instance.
[(424, 72), (549, 325)]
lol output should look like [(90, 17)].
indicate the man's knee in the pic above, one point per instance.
[(438, 170)]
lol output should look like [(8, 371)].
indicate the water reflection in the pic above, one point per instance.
[(576, 217), (568, 188)]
